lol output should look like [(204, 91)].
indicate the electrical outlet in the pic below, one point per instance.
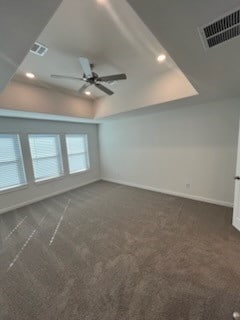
[(188, 186)]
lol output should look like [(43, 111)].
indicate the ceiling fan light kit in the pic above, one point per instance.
[(92, 78)]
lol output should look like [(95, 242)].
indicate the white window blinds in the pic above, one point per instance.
[(46, 156), (12, 172), (77, 150)]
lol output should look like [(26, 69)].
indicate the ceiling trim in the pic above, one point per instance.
[(43, 116)]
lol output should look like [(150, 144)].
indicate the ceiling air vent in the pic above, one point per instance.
[(220, 30), (39, 49)]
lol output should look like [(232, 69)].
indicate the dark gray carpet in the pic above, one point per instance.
[(106, 251)]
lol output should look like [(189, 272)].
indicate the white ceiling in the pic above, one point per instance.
[(109, 33), (126, 36), (214, 73), (20, 24)]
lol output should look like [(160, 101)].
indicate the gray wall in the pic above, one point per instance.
[(189, 151), (37, 191)]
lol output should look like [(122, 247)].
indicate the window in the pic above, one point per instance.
[(77, 150), (12, 172), (46, 156)]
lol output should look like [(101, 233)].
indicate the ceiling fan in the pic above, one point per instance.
[(91, 78)]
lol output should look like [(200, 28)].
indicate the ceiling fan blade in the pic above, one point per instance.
[(104, 89), (86, 67), (114, 77), (58, 76), (83, 88)]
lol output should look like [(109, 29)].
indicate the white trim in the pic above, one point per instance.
[(13, 189), (23, 204), (236, 208), (45, 180), (11, 113), (173, 193), (79, 172)]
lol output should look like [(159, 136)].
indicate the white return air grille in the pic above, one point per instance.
[(39, 49), (221, 30)]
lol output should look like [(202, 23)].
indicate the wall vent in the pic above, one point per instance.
[(221, 29), (39, 49)]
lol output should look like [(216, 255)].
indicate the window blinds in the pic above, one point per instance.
[(12, 172), (77, 150), (46, 156)]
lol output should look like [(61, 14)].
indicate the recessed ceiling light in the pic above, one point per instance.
[(30, 75), (88, 93), (161, 58)]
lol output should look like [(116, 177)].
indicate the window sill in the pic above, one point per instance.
[(14, 189), (50, 179), (79, 172), (25, 186)]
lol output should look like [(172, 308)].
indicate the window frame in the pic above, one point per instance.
[(59, 157), (86, 153), (19, 163)]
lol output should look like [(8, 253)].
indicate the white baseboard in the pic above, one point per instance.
[(23, 204), (169, 192), (172, 193)]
